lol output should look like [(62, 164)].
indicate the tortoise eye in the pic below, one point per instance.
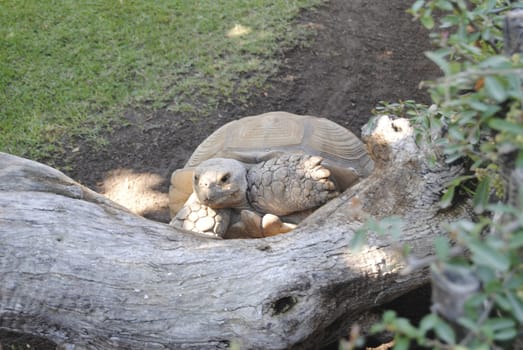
[(225, 178), (196, 178)]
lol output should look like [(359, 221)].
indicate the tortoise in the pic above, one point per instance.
[(260, 175)]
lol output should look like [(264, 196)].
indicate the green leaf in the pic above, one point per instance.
[(358, 240), (403, 326), (471, 49), (502, 302), (503, 208), (476, 346), (514, 83), (494, 62), (449, 21), (490, 5), (401, 343), (506, 126), (485, 274), (500, 323), (489, 111), (446, 199), (468, 323), (492, 286), (506, 334), (441, 245), (519, 164), (377, 328), (516, 240), (461, 4), (482, 254), (476, 300), (474, 304), (444, 5), (427, 323), (427, 20), (515, 282), (495, 89), (435, 123), (461, 347), (480, 200), (445, 332), (475, 135), (456, 133), (516, 306), (393, 226), (461, 179), (479, 106), (488, 333), (439, 59), (466, 117), (417, 5), (453, 157), (389, 316), (486, 33)]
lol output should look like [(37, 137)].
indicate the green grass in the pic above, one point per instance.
[(69, 68)]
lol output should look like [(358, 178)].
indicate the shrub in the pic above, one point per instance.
[(477, 109)]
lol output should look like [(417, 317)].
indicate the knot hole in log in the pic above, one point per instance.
[(283, 305)]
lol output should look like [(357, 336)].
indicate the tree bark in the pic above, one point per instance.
[(81, 270), (513, 32)]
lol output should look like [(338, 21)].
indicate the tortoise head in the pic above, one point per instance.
[(221, 183)]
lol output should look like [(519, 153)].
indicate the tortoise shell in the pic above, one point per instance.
[(258, 138)]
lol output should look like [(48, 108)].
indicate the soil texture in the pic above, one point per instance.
[(363, 52)]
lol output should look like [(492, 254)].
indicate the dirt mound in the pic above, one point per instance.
[(364, 52)]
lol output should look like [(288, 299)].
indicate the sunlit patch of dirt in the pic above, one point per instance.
[(137, 191)]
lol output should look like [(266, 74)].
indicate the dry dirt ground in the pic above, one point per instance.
[(363, 52)]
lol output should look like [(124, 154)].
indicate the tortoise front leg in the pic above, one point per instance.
[(197, 217), (254, 225), (290, 184)]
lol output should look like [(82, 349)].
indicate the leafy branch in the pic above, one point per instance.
[(476, 118)]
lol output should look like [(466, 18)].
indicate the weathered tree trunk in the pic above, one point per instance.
[(513, 32), (79, 269)]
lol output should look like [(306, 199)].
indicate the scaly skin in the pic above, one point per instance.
[(280, 186), (289, 184), (198, 217)]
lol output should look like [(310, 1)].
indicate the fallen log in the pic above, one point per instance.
[(81, 270)]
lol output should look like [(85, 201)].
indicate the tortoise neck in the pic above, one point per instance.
[(246, 203), (250, 174)]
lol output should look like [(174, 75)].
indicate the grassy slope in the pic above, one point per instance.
[(68, 68)]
